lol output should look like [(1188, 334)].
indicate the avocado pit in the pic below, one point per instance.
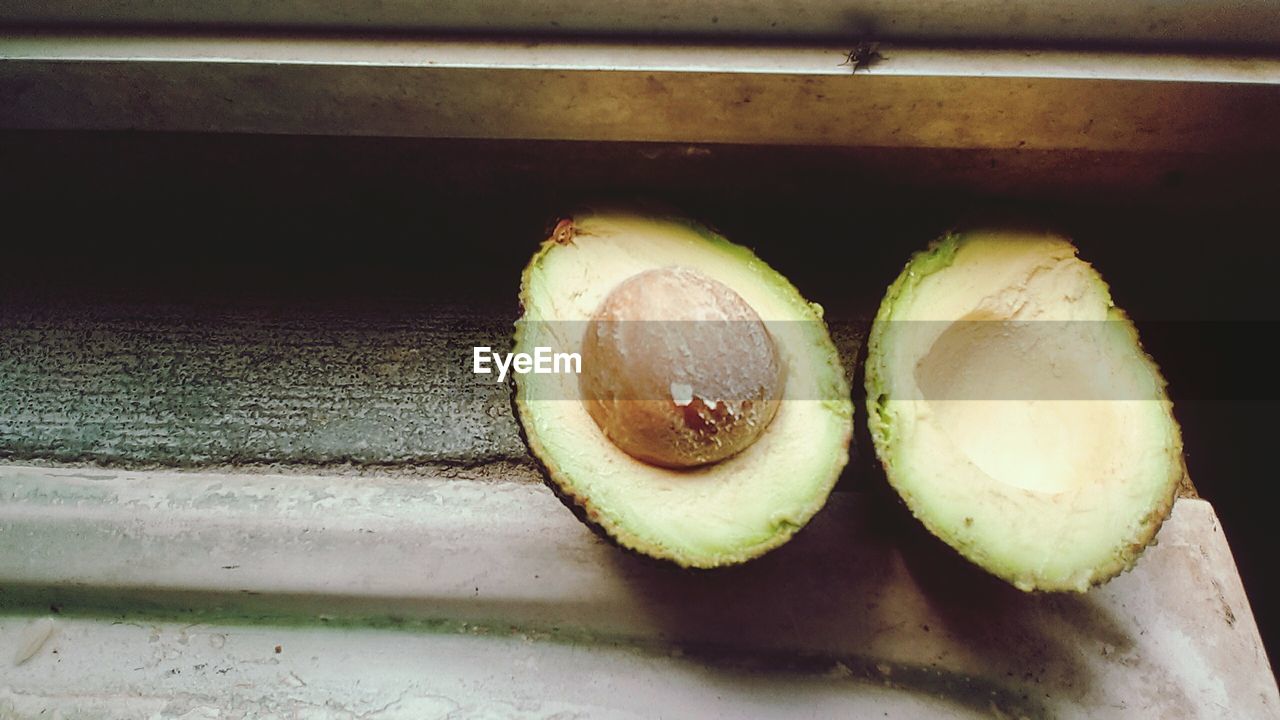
[(678, 370)]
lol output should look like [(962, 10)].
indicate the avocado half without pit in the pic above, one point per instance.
[(1016, 413), (711, 416)]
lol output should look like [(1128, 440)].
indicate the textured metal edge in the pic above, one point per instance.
[(661, 56)]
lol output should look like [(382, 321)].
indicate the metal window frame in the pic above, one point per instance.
[(924, 97), (1188, 23)]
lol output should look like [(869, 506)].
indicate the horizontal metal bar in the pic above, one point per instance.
[(482, 89), (1189, 22), (829, 59)]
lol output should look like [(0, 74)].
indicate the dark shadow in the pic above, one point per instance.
[(1029, 638), (840, 600)]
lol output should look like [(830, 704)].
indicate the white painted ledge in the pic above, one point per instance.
[(488, 598)]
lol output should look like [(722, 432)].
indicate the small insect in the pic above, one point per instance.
[(563, 232), (863, 55)]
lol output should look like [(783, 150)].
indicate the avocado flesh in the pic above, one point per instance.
[(719, 514), (1015, 412)]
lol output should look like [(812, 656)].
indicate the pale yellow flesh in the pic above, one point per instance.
[(721, 513), (1045, 450)]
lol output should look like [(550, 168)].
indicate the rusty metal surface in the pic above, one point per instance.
[(927, 98)]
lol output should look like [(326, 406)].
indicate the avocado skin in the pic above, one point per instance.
[(572, 502)]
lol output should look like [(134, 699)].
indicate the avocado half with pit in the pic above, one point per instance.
[(1016, 413), (711, 416)]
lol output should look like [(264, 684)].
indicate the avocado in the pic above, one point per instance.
[(1015, 412), (705, 438)]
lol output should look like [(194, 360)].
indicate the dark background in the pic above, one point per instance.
[(1188, 243)]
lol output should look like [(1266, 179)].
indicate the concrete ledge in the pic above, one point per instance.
[(468, 576)]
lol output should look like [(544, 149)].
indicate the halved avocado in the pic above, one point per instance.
[(1016, 413), (716, 514)]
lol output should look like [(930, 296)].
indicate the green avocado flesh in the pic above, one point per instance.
[(1016, 413), (718, 514)]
